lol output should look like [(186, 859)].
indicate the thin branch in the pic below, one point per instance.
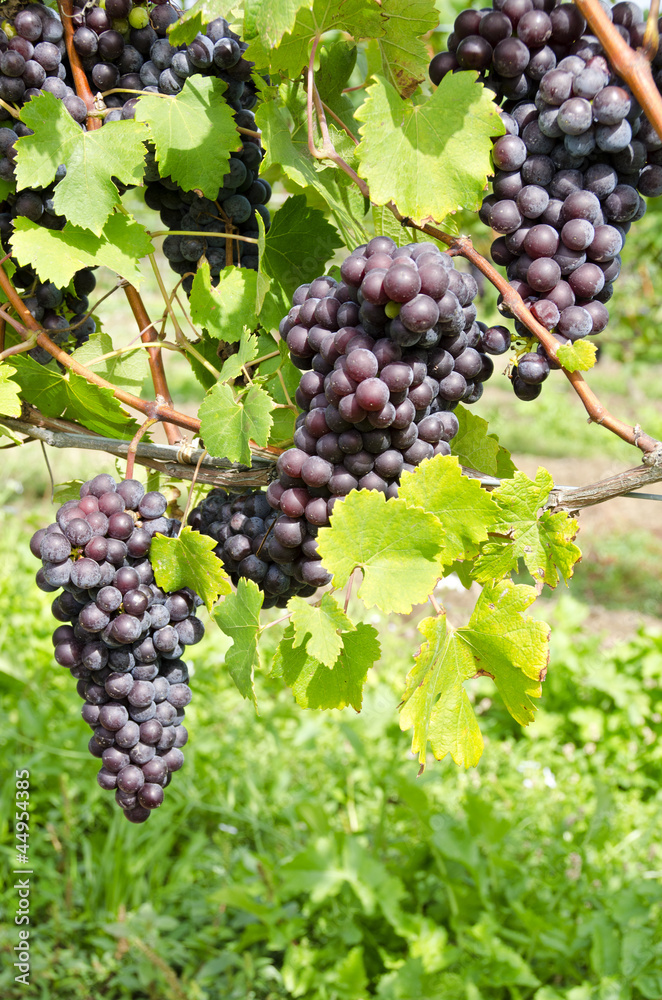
[(151, 409), (652, 33), (77, 71), (438, 610), (50, 471), (133, 446), (12, 111), (148, 335), (193, 482), (201, 232), (631, 66), (25, 345), (340, 122)]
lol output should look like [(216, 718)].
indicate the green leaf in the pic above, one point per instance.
[(127, 371), (283, 417), (296, 249), (499, 642), (234, 364), (435, 703), (193, 133), (336, 65), (509, 647), (72, 396), (433, 158), (208, 348), (577, 357), (466, 511), (339, 193), (57, 255), (321, 624), (193, 20), (542, 539), (397, 548), (225, 310), (317, 686), (477, 449), (359, 18), (189, 561), (87, 195), (269, 21), (228, 424), (239, 617), (10, 403), (405, 57)]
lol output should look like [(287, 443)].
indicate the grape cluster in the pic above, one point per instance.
[(570, 172), (386, 353), (63, 312), (242, 526), (121, 637)]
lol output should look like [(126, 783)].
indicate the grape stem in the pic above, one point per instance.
[(633, 67), (148, 335), (80, 78), (160, 411), (652, 32), (201, 232), (133, 446)]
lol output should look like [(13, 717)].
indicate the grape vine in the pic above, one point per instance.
[(338, 343)]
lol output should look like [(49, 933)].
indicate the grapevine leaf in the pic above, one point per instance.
[(87, 195), (239, 617), (296, 248), (511, 648), (477, 449), (57, 255), (247, 352), (404, 55), (500, 642), (397, 548), (466, 511), (67, 491), (72, 396), (269, 21), (41, 387), (96, 408), (282, 392), (359, 18), (435, 703), (433, 158), (189, 561), (193, 133), (300, 168), (227, 424), (192, 21), (127, 371), (317, 686), (10, 403), (523, 530), (386, 224), (577, 357), (225, 310), (337, 62), (321, 624)]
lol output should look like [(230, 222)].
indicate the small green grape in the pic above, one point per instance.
[(392, 309), (139, 18)]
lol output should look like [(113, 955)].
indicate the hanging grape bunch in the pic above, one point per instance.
[(387, 353), (121, 637), (571, 170)]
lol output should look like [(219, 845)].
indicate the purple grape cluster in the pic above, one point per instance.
[(243, 526), (386, 354), (121, 637), (571, 170)]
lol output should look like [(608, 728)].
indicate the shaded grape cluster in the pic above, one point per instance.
[(122, 638), (243, 528), (570, 173)]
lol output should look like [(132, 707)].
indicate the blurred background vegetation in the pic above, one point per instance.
[(298, 854)]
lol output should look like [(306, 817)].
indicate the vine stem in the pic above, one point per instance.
[(201, 232), (77, 71), (135, 441), (160, 411), (148, 335), (632, 66)]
